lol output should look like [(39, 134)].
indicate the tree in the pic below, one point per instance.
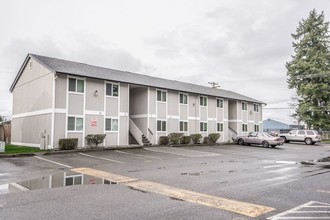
[(2, 118), (309, 71)]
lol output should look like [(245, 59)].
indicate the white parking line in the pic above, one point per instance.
[(283, 170), (308, 205), (184, 152), (138, 155), (51, 161), (101, 158)]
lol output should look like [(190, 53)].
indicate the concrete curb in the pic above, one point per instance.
[(54, 152)]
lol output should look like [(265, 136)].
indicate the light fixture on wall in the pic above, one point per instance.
[(96, 93)]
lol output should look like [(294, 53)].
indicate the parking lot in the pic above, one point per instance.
[(210, 182)]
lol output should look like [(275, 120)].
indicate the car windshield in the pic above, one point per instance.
[(266, 135)]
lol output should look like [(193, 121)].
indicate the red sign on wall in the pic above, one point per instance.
[(94, 122)]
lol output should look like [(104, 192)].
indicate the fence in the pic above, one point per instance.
[(5, 132)]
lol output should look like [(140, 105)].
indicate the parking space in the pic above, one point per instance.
[(248, 174)]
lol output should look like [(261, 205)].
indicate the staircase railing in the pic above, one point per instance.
[(135, 131), (232, 134)]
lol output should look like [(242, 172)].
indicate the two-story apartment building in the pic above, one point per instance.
[(54, 99)]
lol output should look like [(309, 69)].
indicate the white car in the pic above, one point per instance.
[(263, 139), (307, 136)]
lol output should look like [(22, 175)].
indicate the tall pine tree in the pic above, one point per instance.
[(309, 71)]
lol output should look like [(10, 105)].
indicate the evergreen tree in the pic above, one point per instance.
[(309, 71)]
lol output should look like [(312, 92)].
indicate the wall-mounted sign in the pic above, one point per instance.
[(94, 122)]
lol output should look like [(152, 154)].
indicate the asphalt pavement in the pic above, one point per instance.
[(197, 182)]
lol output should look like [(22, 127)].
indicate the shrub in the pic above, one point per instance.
[(206, 140), (95, 139), (196, 138), (164, 140), (175, 138), (185, 140), (213, 137), (68, 143)]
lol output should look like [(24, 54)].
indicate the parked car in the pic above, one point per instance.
[(260, 138), (307, 136)]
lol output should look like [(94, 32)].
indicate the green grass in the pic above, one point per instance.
[(14, 149), (326, 141)]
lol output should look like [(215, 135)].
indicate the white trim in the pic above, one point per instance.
[(34, 113), (123, 114), (60, 110), (52, 126), (112, 83), (225, 119), (104, 108), (234, 120), (183, 93), (161, 90), (139, 116), (26, 144), (128, 104), (212, 119), (89, 112), (193, 118), (173, 117), (250, 121), (84, 113), (67, 106), (148, 110), (119, 100), (40, 112)]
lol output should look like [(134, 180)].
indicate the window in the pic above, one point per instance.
[(75, 124), (111, 124), (161, 96), (161, 125), (76, 85), (301, 132), (219, 127), (183, 99), (256, 128), (73, 180), (203, 101), (244, 127), (256, 107), (203, 126), (244, 106), (183, 126), (112, 90), (219, 103)]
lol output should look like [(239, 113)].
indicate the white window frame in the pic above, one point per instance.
[(244, 126), (203, 126), (112, 119), (75, 123), (219, 127), (256, 107), (183, 123), (76, 85), (161, 125), (112, 84), (244, 106), (220, 101), (204, 102), (73, 179), (161, 95), (183, 94)]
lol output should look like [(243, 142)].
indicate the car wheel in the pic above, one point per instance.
[(273, 146), (240, 141), (308, 141), (265, 144), (285, 140), (313, 143)]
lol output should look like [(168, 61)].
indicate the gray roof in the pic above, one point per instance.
[(85, 70)]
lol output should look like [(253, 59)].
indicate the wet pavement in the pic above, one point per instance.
[(279, 178)]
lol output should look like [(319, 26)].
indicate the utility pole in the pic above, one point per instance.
[(214, 85)]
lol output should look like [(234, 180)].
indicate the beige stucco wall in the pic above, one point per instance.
[(59, 129), (94, 102), (33, 90), (76, 104), (28, 129)]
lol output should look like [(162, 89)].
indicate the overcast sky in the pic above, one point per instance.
[(242, 45)]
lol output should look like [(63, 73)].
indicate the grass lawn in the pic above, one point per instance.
[(326, 141), (14, 149)]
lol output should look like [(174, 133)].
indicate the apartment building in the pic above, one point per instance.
[(55, 98)]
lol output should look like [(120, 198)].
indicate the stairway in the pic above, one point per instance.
[(145, 140)]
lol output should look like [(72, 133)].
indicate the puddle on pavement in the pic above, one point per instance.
[(56, 180)]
